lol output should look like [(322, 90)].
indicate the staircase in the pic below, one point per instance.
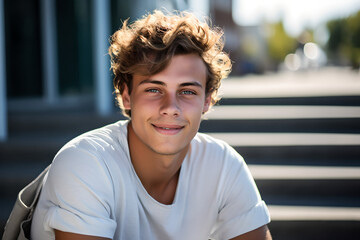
[(302, 147)]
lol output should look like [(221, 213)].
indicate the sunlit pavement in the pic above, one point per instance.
[(328, 81)]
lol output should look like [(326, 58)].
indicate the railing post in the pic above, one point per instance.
[(49, 50), (3, 104), (101, 16)]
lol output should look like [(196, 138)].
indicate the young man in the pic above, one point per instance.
[(154, 176)]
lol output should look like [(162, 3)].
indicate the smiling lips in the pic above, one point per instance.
[(167, 129)]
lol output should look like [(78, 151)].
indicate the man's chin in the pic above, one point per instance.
[(169, 151)]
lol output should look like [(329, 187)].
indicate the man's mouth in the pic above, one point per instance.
[(168, 129)]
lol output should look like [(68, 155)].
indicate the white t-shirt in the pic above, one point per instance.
[(92, 189)]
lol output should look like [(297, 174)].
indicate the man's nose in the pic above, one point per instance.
[(170, 105)]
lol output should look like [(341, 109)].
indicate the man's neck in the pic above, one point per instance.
[(158, 173)]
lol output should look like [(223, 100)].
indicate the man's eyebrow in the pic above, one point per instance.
[(153, 82), (193, 83)]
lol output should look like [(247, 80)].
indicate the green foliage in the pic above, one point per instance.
[(279, 42), (344, 39)]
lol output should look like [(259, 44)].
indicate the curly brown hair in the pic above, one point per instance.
[(146, 47)]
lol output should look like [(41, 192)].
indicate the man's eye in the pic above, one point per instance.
[(188, 92), (152, 90)]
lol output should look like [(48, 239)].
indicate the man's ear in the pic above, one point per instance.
[(125, 96), (207, 103)]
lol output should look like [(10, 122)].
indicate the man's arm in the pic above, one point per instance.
[(261, 233), (59, 235)]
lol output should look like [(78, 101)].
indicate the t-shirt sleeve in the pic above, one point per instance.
[(241, 208), (79, 194)]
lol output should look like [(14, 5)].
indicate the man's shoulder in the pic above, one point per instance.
[(204, 140), (216, 157), (206, 143), (99, 147), (100, 137), (104, 140)]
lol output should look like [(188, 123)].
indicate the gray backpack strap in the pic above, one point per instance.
[(19, 222)]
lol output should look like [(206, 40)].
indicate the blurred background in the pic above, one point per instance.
[(291, 106)]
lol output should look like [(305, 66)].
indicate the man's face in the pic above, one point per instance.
[(166, 108)]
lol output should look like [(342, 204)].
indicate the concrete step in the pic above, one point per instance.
[(311, 213), (295, 148), (308, 185), (353, 100), (306, 119), (311, 192), (286, 172), (288, 139), (313, 223), (348, 125), (301, 155), (235, 112), (315, 230), (31, 149), (58, 123)]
